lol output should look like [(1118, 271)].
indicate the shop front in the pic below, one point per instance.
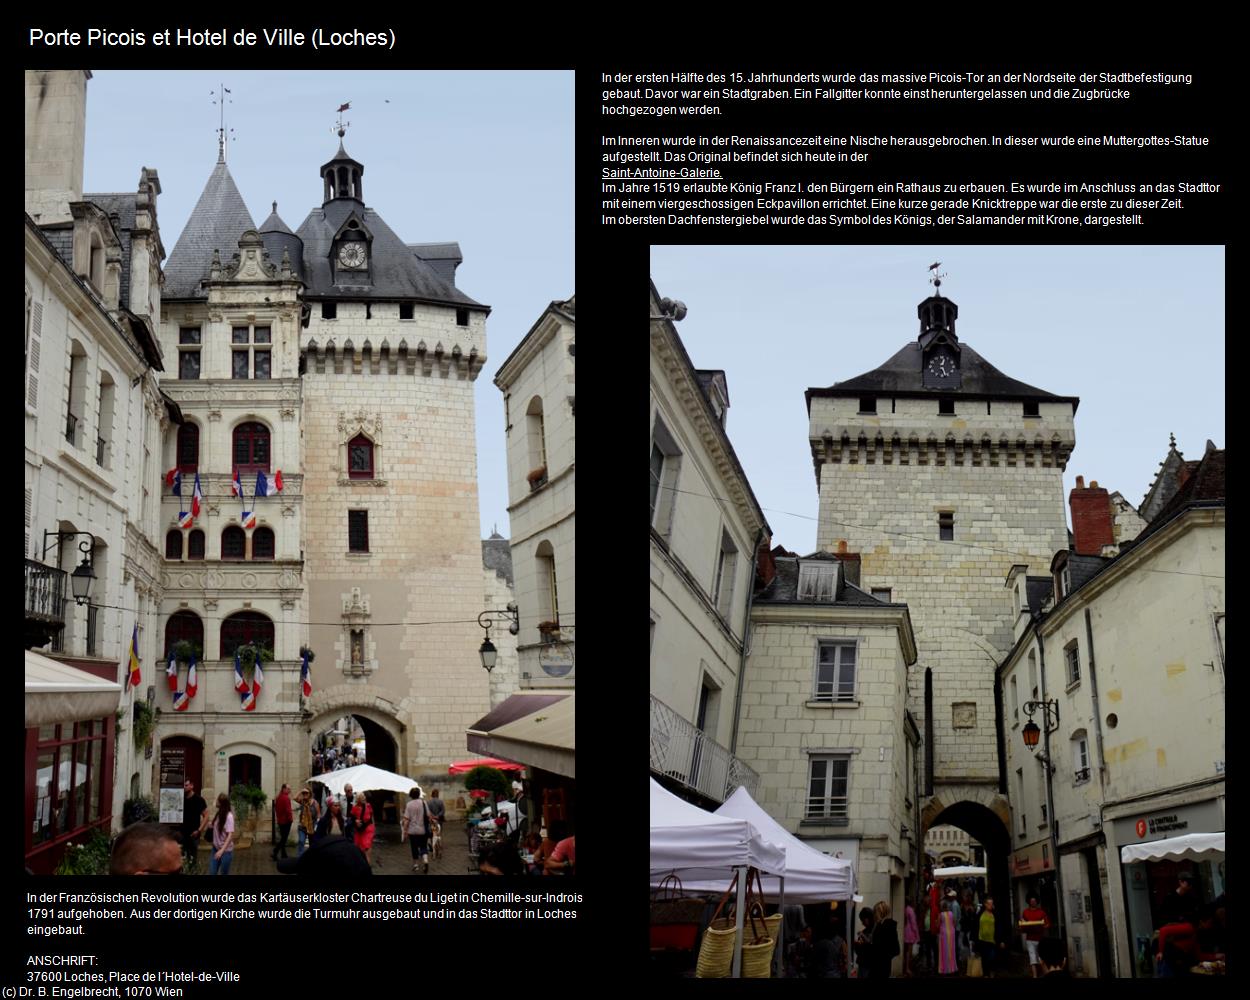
[(1154, 848), (1033, 874)]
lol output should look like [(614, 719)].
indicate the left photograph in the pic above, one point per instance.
[(275, 622)]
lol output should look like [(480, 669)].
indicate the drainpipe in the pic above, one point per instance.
[(1050, 794), (746, 631), (1093, 690)]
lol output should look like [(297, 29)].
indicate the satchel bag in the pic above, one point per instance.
[(974, 967), (674, 918)]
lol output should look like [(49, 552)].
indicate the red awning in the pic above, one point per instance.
[(460, 767)]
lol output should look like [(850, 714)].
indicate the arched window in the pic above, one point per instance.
[(184, 625), (195, 544), (245, 628), (188, 447), (233, 543), (173, 544), (262, 543), (360, 458), (548, 599), (251, 448), (535, 438)]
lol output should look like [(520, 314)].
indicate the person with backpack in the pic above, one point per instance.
[(363, 827)]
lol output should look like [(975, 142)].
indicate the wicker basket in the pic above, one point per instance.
[(757, 959), (716, 953)]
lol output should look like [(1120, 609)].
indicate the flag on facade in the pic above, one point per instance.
[(171, 475), (258, 679), (249, 701), (196, 497), (240, 684), (305, 676), (192, 684), (265, 488), (135, 676), (174, 479), (248, 519), (171, 672), (185, 518), (181, 701), (236, 486)]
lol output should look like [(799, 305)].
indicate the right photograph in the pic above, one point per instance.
[(937, 682)]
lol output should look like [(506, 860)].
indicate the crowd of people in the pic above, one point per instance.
[(335, 759), (1192, 932)]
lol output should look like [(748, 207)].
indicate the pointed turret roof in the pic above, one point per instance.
[(219, 218), (274, 223)]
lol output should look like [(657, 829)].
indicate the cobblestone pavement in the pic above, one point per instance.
[(390, 855)]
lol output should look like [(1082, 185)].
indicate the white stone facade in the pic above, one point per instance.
[(498, 593)]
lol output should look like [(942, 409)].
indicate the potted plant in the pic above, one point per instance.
[(550, 631), (248, 655), (91, 858), (184, 649), (248, 801), (144, 725), (537, 477)]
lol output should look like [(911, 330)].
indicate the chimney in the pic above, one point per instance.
[(1091, 518), (765, 567), (850, 563)]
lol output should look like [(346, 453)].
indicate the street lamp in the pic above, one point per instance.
[(80, 579), (1030, 734), (487, 651)]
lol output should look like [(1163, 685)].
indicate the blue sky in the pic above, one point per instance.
[(482, 158), (1136, 332)]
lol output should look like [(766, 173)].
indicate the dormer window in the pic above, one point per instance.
[(818, 581)]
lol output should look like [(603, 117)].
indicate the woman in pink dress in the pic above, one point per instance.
[(362, 832), (948, 927)]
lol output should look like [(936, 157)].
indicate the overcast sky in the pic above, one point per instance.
[(1136, 332), (485, 159)]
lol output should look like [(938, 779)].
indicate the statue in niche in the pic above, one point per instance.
[(358, 648)]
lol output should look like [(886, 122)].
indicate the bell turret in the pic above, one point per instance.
[(342, 176)]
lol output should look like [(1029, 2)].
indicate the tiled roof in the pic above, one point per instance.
[(219, 218), (784, 587), (497, 555)]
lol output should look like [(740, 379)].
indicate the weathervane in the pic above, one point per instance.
[(342, 126), (935, 278), (221, 100)]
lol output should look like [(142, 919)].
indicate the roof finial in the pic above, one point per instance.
[(935, 278), (342, 126), (221, 100), (275, 208), (1172, 440)]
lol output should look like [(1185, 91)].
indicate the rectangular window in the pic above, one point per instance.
[(329, 310), (1024, 824), (262, 335), (238, 335), (868, 404), (828, 787), (189, 364), (657, 475), (726, 564), (946, 527), (357, 531), (665, 500), (189, 335), (835, 672), (239, 361), (1080, 757), (881, 594), (462, 317), (1030, 409), (1015, 701), (1033, 673), (946, 406), (262, 364), (818, 581), (405, 310), (1073, 660)]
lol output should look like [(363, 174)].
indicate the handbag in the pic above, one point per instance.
[(674, 917), (974, 967)]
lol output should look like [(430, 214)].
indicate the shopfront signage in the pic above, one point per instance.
[(1031, 860), (1203, 817)]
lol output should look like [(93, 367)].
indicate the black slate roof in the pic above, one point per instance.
[(61, 236), (497, 555), (902, 375), (396, 271), (784, 587), (219, 218), (444, 258), (123, 206), (1038, 590), (274, 223)]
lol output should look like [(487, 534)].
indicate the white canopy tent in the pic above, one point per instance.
[(707, 847), (1190, 847), (365, 778), (959, 871)]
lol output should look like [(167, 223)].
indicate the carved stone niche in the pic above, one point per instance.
[(355, 650), (370, 425)]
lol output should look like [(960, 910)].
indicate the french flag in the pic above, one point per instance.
[(174, 478), (170, 476), (258, 679), (249, 701), (196, 497), (236, 486), (181, 701), (264, 488), (192, 685), (248, 519), (240, 684), (305, 676), (171, 672), (186, 518)]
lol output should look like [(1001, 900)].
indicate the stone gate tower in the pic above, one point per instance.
[(943, 473)]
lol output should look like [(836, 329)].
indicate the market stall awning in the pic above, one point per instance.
[(58, 692), (1190, 847), (531, 728), (464, 766), (959, 871)]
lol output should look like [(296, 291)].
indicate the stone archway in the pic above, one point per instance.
[(983, 814)]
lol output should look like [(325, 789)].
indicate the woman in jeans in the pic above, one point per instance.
[(309, 813), (223, 838)]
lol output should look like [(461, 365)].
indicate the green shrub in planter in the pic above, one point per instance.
[(247, 800), (91, 858), (490, 779), (139, 810)]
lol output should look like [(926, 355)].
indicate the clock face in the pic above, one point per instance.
[(941, 366), (352, 255)]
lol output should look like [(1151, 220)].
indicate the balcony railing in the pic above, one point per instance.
[(1082, 775), (71, 429), (45, 591), (680, 750)]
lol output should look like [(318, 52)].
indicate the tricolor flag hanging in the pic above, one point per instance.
[(171, 672), (171, 475), (236, 486), (135, 676), (240, 684), (248, 519), (192, 685), (248, 700), (305, 676), (185, 518), (181, 701), (258, 679), (264, 488), (174, 479), (196, 497)]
